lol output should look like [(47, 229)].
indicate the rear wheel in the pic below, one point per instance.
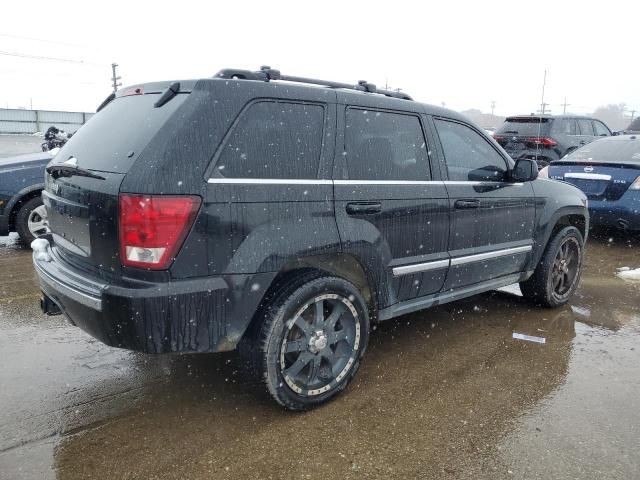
[(557, 275), (310, 342), (31, 220)]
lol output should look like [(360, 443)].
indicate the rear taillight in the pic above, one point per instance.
[(635, 185), (153, 228), (542, 141)]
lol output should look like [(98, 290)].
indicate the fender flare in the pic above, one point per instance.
[(18, 197), (545, 235)]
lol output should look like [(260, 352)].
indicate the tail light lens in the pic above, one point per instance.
[(153, 228), (542, 141), (635, 185), (544, 173)]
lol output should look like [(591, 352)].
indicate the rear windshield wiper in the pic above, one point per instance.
[(68, 170)]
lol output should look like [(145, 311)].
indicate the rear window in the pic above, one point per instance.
[(524, 126), (610, 150), (114, 137)]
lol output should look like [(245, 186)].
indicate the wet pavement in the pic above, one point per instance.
[(443, 393)]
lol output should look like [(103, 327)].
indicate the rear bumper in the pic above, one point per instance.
[(623, 213), (197, 315)]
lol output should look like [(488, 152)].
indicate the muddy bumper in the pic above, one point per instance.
[(197, 315)]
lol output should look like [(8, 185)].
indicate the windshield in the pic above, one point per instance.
[(609, 150)]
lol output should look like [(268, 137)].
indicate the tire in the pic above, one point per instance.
[(309, 341), (557, 276), (31, 220)]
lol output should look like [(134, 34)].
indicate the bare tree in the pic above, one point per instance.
[(635, 125), (612, 115)]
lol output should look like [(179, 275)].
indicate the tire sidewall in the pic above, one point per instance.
[(552, 298), (273, 375), (22, 219)]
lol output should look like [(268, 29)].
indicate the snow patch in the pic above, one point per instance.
[(626, 273)]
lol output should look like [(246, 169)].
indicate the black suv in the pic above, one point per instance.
[(546, 138), (253, 210)]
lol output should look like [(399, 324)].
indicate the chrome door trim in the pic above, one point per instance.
[(488, 255), (271, 181), (388, 182), (420, 267)]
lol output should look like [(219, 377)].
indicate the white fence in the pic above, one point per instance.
[(32, 121)]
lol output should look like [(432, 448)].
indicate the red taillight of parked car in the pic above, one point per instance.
[(542, 141), (153, 228)]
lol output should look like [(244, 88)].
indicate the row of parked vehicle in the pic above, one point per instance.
[(582, 151)]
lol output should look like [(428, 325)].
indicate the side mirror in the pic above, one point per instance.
[(525, 170)]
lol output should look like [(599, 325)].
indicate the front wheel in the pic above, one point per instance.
[(310, 341), (557, 275)]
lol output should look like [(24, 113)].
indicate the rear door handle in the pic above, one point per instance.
[(363, 208), (464, 204)]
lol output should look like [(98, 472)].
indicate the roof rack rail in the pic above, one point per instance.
[(266, 74)]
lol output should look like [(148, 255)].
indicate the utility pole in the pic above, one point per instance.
[(114, 79), (542, 104), (493, 106), (565, 105), (543, 108)]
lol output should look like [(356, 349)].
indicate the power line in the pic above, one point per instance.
[(51, 59), (34, 39)]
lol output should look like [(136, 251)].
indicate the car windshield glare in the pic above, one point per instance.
[(609, 150)]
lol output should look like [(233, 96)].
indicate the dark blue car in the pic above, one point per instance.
[(608, 172), (21, 184)]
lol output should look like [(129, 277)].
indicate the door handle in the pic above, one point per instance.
[(363, 208), (464, 204)]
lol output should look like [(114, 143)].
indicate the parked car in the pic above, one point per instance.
[(608, 172), (21, 208), (547, 138), (284, 218)]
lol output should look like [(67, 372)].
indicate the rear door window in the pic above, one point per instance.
[(565, 126), (385, 146), (468, 155), (585, 127), (274, 140)]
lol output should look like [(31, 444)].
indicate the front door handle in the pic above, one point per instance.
[(363, 208), (468, 203)]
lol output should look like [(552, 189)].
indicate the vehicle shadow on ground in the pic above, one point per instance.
[(436, 389)]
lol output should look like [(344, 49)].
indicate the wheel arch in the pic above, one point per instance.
[(20, 199), (341, 265), (564, 217)]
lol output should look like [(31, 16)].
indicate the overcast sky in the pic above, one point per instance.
[(464, 54)]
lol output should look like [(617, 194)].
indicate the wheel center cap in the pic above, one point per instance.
[(318, 341)]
